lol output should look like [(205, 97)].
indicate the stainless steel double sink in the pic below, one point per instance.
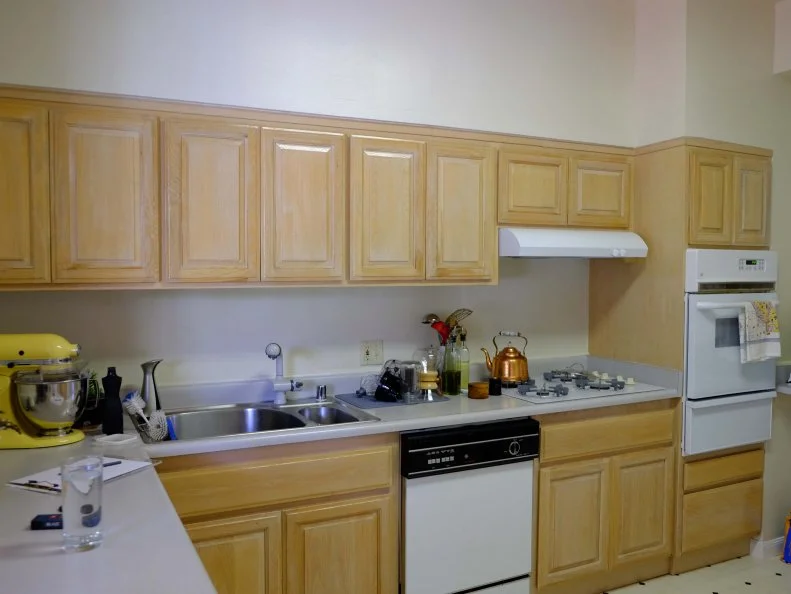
[(236, 419)]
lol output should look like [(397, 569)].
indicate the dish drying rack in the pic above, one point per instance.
[(153, 428)]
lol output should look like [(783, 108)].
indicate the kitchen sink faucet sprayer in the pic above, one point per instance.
[(281, 386), (148, 392)]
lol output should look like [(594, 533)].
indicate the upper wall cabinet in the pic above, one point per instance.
[(461, 211), (106, 223), (752, 189), (213, 202), (387, 209), (533, 188), (559, 188), (600, 191), (304, 190), (711, 197), (24, 194), (728, 198)]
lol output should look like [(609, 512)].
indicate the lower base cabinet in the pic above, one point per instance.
[(286, 520), (339, 548), (242, 555)]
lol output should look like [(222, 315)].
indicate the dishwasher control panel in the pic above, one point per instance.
[(453, 449)]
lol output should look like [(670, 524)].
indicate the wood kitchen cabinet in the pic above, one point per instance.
[(242, 554), (533, 187), (729, 198), (573, 520), (641, 518), (461, 222), (606, 497), (600, 191), (304, 187), (752, 190), (24, 194), (105, 196), (212, 201), (387, 202), (559, 188), (324, 538), (293, 519)]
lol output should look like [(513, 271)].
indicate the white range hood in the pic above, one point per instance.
[(570, 243)]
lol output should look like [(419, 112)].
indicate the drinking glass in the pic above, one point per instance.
[(81, 481)]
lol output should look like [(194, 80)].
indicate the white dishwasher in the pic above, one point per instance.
[(468, 508)]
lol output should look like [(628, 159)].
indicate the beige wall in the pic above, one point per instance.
[(733, 94), (220, 334)]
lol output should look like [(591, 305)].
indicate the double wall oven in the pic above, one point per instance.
[(726, 403)]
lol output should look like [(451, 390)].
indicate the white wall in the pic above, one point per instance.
[(733, 94), (557, 68), (220, 334), (660, 85)]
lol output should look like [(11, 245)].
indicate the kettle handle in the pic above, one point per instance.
[(510, 334)]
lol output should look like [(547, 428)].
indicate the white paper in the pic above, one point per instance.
[(51, 477)]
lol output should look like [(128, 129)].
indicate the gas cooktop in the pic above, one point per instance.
[(570, 384)]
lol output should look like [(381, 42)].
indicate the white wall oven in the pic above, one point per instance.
[(726, 403)]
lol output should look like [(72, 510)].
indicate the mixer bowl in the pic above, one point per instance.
[(51, 405)]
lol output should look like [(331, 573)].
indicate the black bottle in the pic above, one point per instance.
[(113, 421)]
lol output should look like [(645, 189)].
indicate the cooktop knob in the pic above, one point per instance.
[(616, 252), (629, 381), (514, 448), (605, 376)]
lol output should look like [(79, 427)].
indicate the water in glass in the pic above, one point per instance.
[(81, 480)]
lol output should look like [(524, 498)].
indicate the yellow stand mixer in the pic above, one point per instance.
[(42, 391)]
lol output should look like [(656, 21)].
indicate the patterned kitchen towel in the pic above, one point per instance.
[(759, 332)]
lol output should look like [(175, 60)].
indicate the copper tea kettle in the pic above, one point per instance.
[(510, 364)]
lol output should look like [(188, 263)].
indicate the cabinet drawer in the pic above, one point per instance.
[(721, 471), (721, 515), (605, 435), (270, 482)]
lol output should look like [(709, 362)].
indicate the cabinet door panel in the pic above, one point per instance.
[(721, 515), (342, 548), (752, 184), (461, 225), (241, 554), (533, 188), (304, 196), (213, 201), (573, 523), (600, 192), (24, 194), (387, 193), (106, 224), (642, 505), (711, 197)]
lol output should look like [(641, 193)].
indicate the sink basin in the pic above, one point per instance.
[(236, 419), (327, 415), (231, 420)]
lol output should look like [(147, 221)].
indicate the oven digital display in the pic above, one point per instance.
[(752, 264)]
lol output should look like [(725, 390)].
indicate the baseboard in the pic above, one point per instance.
[(765, 549)]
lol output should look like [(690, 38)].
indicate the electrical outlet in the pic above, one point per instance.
[(372, 352)]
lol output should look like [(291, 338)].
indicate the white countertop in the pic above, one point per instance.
[(784, 389), (145, 545), (395, 419)]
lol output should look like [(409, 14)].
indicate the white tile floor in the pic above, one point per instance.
[(740, 576)]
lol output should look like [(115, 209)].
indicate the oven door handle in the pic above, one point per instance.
[(712, 305), (728, 400)]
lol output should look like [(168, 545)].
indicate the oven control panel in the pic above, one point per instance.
[(756, 264)]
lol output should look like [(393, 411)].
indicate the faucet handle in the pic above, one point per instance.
[(321, 393)]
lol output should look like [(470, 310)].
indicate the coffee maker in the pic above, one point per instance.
[(42, 391)]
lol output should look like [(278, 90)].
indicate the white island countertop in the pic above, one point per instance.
[(145, 546), (458, 410)]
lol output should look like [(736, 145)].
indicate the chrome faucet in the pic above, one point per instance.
[(281, 386)]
